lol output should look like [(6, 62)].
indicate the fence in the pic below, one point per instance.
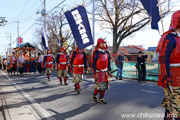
[(129, 70)]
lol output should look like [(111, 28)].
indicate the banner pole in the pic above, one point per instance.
[(159, 4), (93, 25), (84, 3)]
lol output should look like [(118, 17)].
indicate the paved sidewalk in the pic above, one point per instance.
[(14, 105), (2, 117)]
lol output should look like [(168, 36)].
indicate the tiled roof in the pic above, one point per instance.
[(130, 50)]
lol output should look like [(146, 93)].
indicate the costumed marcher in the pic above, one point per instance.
[(169, 72), (78, 62), (13, 62), (8, 65), (4, 64), (100, 60), (49, 63), (62, 63), (120, 62), (20, 62), (141, 66), (39, 62)]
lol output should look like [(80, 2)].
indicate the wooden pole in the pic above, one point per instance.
[(159, 4), (93, 25), (84, 3)]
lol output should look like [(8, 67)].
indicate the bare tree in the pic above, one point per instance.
[(56, 27), (124, 17)]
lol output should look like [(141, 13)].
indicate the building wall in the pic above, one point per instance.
[(132, 58)]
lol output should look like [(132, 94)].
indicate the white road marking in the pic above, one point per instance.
[(148, 91), (37, 107)]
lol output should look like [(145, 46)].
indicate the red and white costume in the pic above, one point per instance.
[(62, 62), (100, 66), (48, 63), (169, 73), (78, 62)]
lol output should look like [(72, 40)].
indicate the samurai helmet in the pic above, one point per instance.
[(175, 20), (49, 51), (100, 40), (79, 50), (62, 49)]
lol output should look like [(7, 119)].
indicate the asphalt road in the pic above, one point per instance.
[(126, 100)]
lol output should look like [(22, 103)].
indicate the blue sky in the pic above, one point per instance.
[(25, 11)]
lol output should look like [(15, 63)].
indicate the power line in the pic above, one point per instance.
[(28, 29), (31, 16), (26, 18), (31, 26), (34, 11), (56, 6), (27, 12), (24, 5)]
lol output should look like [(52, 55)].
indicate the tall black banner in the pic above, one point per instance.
[(79, 24)]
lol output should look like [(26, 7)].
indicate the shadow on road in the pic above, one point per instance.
[(79, 110)]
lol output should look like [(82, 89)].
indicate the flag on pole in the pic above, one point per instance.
[(58, 41), (19, 41), (79, 24), (44, 38), (151, 6)]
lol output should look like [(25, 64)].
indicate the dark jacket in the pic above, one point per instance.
[(120, 60), (141, 62)]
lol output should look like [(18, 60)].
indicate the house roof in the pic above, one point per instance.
[(130, 50), (151, 48), (26, 45)]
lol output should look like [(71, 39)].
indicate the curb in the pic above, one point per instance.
[(25, 111), (35, 110), (3, 107)]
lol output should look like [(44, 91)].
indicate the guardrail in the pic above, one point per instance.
[(130, 71)]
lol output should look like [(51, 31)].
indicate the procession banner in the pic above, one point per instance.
[(79, 24), (151, 6), (44, 38)]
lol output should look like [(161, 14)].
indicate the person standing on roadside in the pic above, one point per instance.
[(120, 61), (13, 62), (141, 66)]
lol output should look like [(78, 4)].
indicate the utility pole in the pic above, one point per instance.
[(18, 32), (44, 14), (10, 44), (7, 40), (10, 41)]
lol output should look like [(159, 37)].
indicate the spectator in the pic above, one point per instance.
[(4, 64), (141, 66), (39, 61), (8, 65), (13, 60), (120, 61), (20, 61)]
